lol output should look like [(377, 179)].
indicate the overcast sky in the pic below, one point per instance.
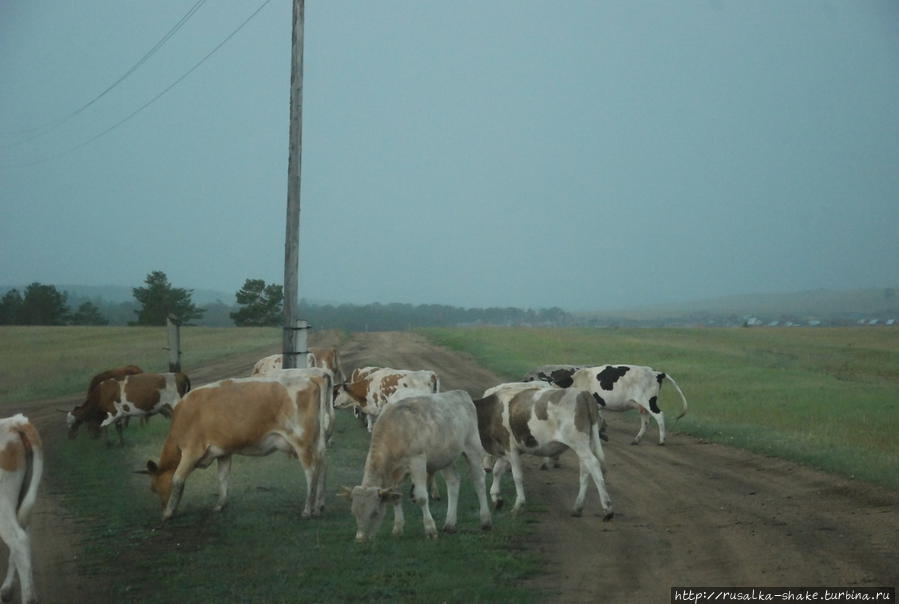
[(585, 154)]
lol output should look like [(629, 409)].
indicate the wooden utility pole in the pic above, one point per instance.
[(294, 348), (173, 329)]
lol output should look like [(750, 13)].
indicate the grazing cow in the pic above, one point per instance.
[(21, 467), (245, 416), (518, 419), (89, 411), (418, 436), (324, 358), (617, 388), (370, 389), (141, 395)]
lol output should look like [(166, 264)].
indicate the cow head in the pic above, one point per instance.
[(160, 481), (368, 506)]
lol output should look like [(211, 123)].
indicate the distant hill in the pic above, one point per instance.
[(821, 305)]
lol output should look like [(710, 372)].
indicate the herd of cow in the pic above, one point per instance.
[(416, 429)]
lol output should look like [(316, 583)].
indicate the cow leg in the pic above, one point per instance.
[(660, 421), (644, 423), (120, 430), (320, 489), (399, 521), (451, 477), (433, 487), (224, 472), (419, 471), (499, 468), (518, 477), (590, 464), (478, 477), (19, 543), (185, 467)]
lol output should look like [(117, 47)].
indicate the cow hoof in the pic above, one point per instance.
[(306, 514), (431, 535), (517, 510), (449, 530), (635, 442), (397, 532), (6, 594), (661, 444), (487, 526), (498, 504), (608, 516), (218, 508), (577, 513), (544, 467)]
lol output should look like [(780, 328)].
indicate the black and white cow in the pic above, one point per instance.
[(616, 388)]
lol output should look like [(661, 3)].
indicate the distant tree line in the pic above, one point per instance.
[(258, 304)]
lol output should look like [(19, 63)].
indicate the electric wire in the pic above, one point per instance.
[(152, 100), (37, 131)]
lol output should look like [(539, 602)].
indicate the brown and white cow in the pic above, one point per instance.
[(616, 388), (141, 395), (21, 467), (324, 358), (518, 419), (244, 416), (370, 389), (89, 411), (418, 436)]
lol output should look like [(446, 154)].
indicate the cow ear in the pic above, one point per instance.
[(389, 495)]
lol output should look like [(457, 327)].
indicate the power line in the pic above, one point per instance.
[(40, 130), (152, 100)]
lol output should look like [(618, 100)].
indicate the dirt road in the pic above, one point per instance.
[(689, 513)]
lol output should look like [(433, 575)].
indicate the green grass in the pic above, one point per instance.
[(42, 362), (824, 397), (259, 549)]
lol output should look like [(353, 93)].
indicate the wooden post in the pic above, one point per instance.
[(173, 326), (292, 355)]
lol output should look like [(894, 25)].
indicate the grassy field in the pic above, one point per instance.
[(43, 362), (825, 397)]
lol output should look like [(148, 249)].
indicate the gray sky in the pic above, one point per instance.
[(585, 154)]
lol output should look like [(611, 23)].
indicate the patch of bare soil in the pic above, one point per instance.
[(689, 513)]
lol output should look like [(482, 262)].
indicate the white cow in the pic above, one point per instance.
[(418, 436), (518, 419), (21, 467)]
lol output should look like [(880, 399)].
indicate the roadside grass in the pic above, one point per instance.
[(259, 549), (825, 397), (43, 362)]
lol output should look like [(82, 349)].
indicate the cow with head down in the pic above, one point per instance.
[(89, 412), (246, 416), (136, 395)]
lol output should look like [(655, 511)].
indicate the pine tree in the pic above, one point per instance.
[(159, 299), (261, 304), (10, 307), (43, 305), (88, 314)]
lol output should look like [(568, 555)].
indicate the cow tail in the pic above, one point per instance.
[(325, 407), (34, 454), (592, 408), (679, 391)]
